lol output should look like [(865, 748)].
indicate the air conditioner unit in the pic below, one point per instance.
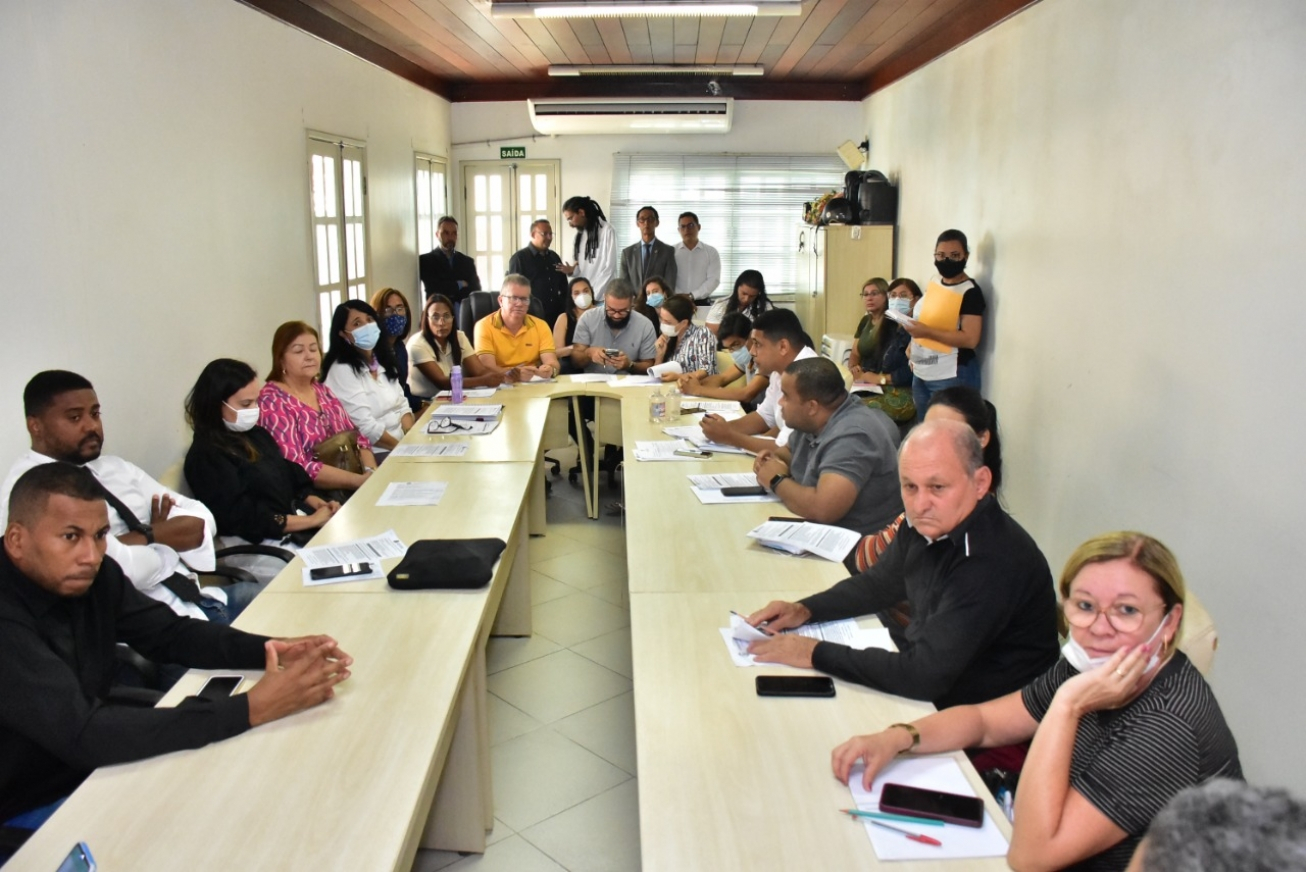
[(837, 347), (640, 115)]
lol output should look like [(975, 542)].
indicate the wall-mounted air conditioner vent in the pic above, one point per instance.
[(645, 115)]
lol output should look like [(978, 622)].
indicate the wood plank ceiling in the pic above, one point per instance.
[(833, 50)]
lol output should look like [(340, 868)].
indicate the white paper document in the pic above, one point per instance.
[(435, 449), (931, 773), (464, 411), (712, 497), (371, 550), (717, 406), (672, 366), (468, 394), (694, 433), (413, 493), (863, 388), (664, 450), (460, 427), (899, 317), (794, 537), (723, 479), (631, 381), (590, 377), (846, 632), (310, 581)]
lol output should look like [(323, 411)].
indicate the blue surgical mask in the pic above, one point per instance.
[(656, 300), (394, 324), (898, 304), (1077, 657), (366, 337), (741, 357)]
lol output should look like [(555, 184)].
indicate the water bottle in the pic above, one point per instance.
[(657, 406), (673, 403), (456, 384)]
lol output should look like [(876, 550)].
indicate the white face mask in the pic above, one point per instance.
[(668, 330), (246, 419), (583, 300), (1077, 657)]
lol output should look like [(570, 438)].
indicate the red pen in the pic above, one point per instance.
[(915, 837)]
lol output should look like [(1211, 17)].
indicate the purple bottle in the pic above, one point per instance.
[(456, 384)]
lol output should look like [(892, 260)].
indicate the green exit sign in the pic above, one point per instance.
[(509, 151)]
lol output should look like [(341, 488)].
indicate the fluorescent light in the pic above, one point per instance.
[(563, 70), (531, 8)]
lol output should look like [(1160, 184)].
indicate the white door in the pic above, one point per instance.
[(501, 201), (338, 203)]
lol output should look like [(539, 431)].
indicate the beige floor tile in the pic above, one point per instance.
[(607, 533), (615, 592), (585, 568), (577, 617), (508, 722), (544, 588), (557, 685), (431, 861), (513, 854), (506, 652), (554, 543), (500, 832), (542, 773), (607, 729), (611, 650), (600, 835)]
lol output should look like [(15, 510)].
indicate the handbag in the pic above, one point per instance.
[(341, 451), (447, 564)]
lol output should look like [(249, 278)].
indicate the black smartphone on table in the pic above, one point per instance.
[(952, 808), (754, 490), (795, 685), (342, 571), (219, 686)]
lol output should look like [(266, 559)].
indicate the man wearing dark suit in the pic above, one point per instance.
[(538, 263), (445, 271), (650, 256)]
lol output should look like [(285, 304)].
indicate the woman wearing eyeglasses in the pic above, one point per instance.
[(1118, 726), (437, 348), (879, 354), (393, 315), (948, 325)]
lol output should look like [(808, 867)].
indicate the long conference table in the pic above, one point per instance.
[(400, 758)]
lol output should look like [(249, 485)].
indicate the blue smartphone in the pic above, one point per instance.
[(79, 859)]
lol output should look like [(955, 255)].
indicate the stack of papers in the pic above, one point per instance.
[(372, 550), (665, 450), (436, 449), (846, 632), (694, 433), (930, 773), (671, 366), (708, 488), (899, 317), (413, 493), (467, 411), (470, 393), (805, 537), (717, 406)]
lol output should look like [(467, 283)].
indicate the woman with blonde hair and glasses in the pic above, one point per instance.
[(1117, 727), (879, 354)]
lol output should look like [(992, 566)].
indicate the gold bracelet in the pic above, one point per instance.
[(915, 735)]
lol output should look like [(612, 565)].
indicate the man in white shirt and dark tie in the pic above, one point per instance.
[(698, 265), (650, 256)]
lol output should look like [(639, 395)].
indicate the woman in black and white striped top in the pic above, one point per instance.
[(1119, 725)]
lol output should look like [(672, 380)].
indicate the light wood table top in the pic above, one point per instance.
[(334, 787), (731, 780), (516, 439), (482, 500)]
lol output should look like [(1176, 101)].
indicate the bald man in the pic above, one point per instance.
[(983, 612)]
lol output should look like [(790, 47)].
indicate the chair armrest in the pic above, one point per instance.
[(266, 550), (231, 573)]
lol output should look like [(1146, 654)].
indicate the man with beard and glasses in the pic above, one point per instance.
[(157, 535), (614, 338)]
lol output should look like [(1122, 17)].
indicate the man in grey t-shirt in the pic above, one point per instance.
[(841, 464), (614, 326)]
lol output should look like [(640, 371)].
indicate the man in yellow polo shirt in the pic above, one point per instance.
[(512, 341)]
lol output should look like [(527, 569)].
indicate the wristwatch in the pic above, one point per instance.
[(148, 532), (777, 478), (884, 380)]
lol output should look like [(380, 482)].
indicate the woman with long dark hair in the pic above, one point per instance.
[(236, 469), (395, 317), (361, 371), (595, 246), (581, 295), (437, 348), (682, 340), (749, 298)]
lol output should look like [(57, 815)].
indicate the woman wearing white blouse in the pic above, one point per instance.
[(364, 376)]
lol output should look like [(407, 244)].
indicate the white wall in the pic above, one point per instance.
[(1130, 175), (760, 127), (156, 196)]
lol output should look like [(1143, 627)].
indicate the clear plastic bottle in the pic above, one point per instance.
[(657, 406), (456, 384), (673, 403)]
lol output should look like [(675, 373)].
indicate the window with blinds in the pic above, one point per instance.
[(747, 205)]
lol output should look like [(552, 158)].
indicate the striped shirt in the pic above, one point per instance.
[(1130, 762)]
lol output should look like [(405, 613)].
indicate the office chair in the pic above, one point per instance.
[(481, 303)]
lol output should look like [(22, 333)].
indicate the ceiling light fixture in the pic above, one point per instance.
[(564, 70), (647, 8)]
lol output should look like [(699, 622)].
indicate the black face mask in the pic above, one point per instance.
[(950, 269)]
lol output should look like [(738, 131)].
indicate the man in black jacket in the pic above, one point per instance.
[(983, 610), (64, 607), (538, 262), (445, 271)]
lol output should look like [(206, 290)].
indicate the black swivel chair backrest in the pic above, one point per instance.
[(481, 303)]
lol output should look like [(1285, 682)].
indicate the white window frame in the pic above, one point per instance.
[(338, 222), (427, 210)]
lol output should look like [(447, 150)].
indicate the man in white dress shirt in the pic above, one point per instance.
[(698, 265), (167, 534)]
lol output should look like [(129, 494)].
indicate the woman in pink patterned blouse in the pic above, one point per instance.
[(299, 411)]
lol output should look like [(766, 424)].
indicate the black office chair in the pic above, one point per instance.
[(481, 303)]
